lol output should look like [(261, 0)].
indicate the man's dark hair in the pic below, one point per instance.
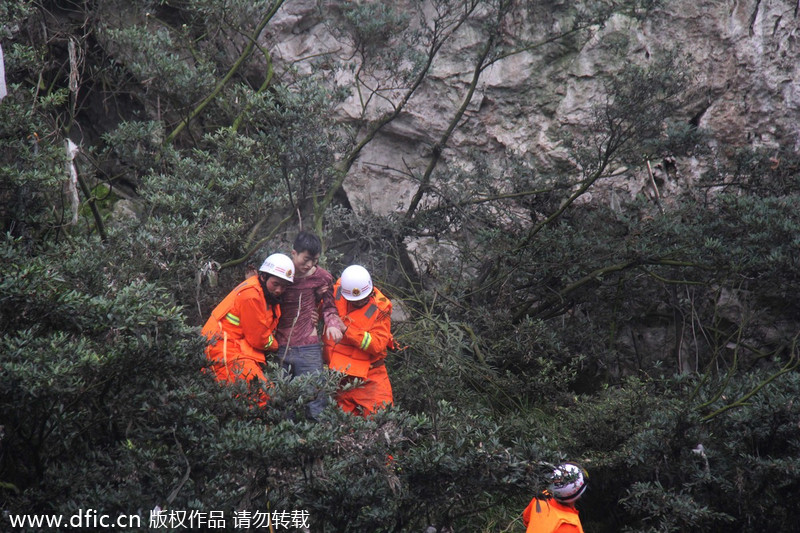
[(307, 242)]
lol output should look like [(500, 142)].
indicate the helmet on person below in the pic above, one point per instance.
[(279, 265), (356, 283), (568, 482)]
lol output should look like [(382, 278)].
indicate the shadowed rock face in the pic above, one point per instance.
[(744, 61)]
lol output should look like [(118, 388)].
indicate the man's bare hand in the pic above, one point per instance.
[(334, 334)]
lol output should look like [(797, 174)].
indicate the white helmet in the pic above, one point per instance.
[(568, 482), (279, 265), (356, 283)]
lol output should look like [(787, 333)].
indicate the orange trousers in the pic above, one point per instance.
[(369, 396), (239, 368), (245, 369)]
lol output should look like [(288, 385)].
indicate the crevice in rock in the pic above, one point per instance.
[(697, 117), (777, 24), (754, 16)]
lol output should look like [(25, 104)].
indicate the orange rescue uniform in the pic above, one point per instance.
[(362, 351), (548, 515), (240, 331)]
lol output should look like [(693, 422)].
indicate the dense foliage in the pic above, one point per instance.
[(530, 328)]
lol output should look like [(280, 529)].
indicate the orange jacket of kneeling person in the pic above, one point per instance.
[(362, 350), (240, 330)]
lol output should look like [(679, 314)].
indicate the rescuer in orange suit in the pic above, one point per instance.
[(361, 352), (554, 511), (240, 329)]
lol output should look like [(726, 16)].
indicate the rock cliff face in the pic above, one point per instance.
[(744, 61)]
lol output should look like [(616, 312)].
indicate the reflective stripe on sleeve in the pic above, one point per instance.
[(366, 342), (233, 319), (270, 342)]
